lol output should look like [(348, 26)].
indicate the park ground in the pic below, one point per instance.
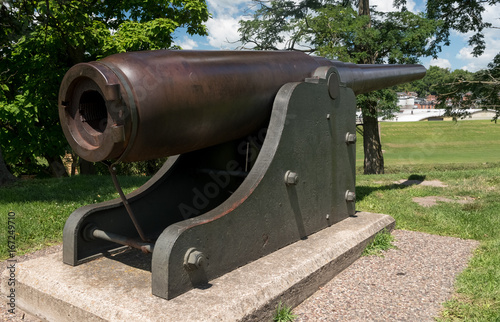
[(464, 156)]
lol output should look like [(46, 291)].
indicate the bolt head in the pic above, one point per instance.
[(350, 138), (350, 196), (194, 260), (291, 178)]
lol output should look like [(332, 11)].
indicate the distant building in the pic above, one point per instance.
[(428, 103), (406, 100)]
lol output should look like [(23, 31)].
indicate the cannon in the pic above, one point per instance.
[(261, 149)]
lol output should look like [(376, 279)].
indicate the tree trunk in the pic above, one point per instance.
[(5, 176), (374, 159), (56, 167), (364, 9), (87, 168)]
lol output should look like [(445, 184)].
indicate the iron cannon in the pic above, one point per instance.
[(261, 150)]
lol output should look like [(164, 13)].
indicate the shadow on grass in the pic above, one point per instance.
[(77, 189), (364, 191)]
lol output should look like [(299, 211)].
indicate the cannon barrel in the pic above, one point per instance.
[(144, 105)]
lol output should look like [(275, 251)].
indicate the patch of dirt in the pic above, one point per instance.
[(430, 183), (433, 200)]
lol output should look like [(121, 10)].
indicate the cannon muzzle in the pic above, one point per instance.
[(144, 105)]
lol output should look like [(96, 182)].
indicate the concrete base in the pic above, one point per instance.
[(118, 287)]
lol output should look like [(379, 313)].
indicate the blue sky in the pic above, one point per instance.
[(223, 33)]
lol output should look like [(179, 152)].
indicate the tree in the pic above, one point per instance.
[(435, 76), (334, 29), (463, 90), (462, 16), (41, 40), (5, 176)]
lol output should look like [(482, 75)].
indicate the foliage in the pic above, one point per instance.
[(283, 314), (41, 40), (479, 90), (335, 30), (381, 242), (462, 16), (459, 15), (434, 76), (139, 168)]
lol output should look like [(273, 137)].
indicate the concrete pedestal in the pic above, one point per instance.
[(118, 287)]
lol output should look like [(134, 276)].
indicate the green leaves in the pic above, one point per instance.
[(463, 90), (334, 29), (40, 40), (462, 16), (134, 36)]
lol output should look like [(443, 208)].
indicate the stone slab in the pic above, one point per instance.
[(118, 287)]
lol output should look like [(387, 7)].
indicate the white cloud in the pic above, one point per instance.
[(228, 7), (187, 43), (387, 5), (440, 62), (472, 67), (223, 27), (223, 32)]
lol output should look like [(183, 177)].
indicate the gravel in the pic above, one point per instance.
[(407, 284)]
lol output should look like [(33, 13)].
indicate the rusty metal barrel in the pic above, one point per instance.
[(144, 105)]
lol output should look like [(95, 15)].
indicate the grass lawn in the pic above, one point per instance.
[(463, 155), (42, 206), (434, 142)]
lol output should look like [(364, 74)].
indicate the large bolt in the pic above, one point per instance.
[(291, 178), (194, 259), (350, 138), (350, 196)]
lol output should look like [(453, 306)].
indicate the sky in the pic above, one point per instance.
[(223, 33)]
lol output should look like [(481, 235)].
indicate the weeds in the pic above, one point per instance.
[(381, 242)]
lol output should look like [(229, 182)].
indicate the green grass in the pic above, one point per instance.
[(283, 314), (429, 143), (43, 205), (381, 242)]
